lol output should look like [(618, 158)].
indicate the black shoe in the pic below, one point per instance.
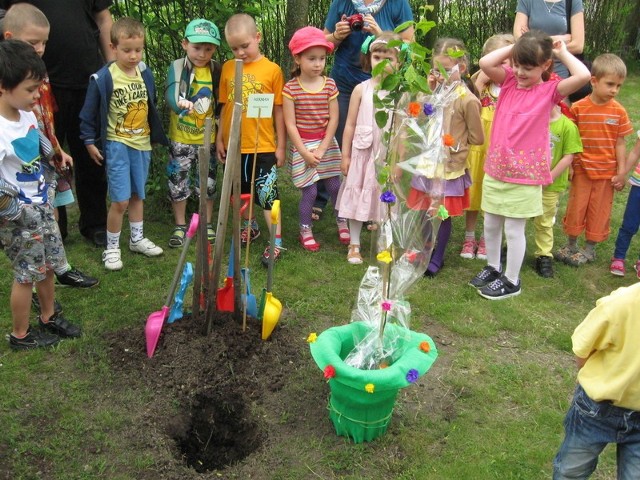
[(33, 339), (500, 289), (75, 278), (97, 236), (544, 267), (35, 303), (487, 275), (60, 326)]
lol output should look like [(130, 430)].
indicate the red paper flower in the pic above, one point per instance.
[(448, 140), (414, 109), (425, 347), (329, 372)]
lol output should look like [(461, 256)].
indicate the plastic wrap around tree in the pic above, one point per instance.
[(361, 401)]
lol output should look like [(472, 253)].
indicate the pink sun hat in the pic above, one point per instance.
[(308, 37)]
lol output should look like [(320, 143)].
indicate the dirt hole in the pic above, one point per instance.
[(220, 432)]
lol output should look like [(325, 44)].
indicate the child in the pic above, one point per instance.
[(260, 75), (120, 113), (519, 154), (192, 89), (603, 124), (462, 121), (359, 196), (489, 92), (27, 23), (29, 233), (565, 142), (631, 219), (311, 115), (606, 404)]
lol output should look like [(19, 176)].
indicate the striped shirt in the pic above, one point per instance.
[(312, 108), (600, 127)]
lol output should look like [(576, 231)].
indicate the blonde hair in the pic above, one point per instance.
[(22, 15), (495, 42), (240, 22), (126, 27), (608, 64)]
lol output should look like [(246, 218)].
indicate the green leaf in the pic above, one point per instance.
[(423, 27), (403, 26), (381, 118), (390, 82), (422, 84)]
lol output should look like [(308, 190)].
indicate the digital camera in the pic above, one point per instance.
[(356, 22)]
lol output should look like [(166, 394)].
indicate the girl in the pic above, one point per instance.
[(518, 161), (359, 198), (462, 122), (489, 92), (311, 116)]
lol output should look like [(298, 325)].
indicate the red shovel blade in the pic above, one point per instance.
[(153, 328), (225, 301)]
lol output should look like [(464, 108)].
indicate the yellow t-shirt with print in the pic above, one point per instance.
[(128, 118), (189, 129)]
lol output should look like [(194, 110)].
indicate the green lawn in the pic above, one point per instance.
[(492, 406)]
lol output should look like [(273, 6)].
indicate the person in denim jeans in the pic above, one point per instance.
[(606, 403)]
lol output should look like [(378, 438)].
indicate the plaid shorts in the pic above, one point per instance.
[(33, 243)]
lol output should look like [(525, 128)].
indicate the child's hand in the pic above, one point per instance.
[(186, 106), (65, 163), (281, 157), (221, 151), (618, 181), (318, 153), (310, 159), (344, 165), (559, 48), (95, 154)]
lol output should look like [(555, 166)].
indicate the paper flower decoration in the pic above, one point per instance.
[(386, 306), (461, 91), (384, 257), (329, 372), (427, 109), (312, 337), (369, 387), (414, 109), (412, 375), (448, 140), (425, 347), (388, 197)]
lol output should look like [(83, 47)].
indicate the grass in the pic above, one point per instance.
[(491, 408)]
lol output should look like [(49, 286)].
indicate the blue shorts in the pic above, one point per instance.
[(127, 170), (33, 244)]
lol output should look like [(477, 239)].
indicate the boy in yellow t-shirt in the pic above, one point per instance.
[(259, 75), (191, 91), (606, 404)]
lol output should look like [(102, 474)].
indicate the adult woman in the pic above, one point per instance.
[(379, 15), (550, 16)]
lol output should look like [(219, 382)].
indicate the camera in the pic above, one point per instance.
[(356, 22)]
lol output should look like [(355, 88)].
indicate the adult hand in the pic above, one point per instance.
[(371, 26), (342, 30)]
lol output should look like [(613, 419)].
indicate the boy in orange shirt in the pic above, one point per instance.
[(603, 124)]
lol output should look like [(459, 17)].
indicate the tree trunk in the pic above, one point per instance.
[(297, 17)]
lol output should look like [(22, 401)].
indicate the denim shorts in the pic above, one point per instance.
[(589, 427), (127, 170), (33, 244)]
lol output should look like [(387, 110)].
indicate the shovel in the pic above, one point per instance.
[(270, 305), (176, 312), (248, 299), (155, 321), (226, 294)]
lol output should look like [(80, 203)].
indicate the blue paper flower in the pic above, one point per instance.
[(388, 197), (427, 109), (412, 375)]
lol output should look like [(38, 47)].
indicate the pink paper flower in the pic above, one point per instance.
[(329, 372)]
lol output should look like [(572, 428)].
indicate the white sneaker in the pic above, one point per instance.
[(111, 259), (145, 247)]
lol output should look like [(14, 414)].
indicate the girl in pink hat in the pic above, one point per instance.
[(311, 115)]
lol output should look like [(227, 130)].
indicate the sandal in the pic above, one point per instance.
[(307, 241), (177, 237), (564, 253), (316, 214), (354, 257), (343, 232), (579, 258), (371, 225)]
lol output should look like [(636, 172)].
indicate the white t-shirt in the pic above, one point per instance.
[(20, 162)]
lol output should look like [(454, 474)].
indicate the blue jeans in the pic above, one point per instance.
[(630, 223), (589, 427)]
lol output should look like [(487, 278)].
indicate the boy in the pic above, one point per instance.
[(565, 142), (606, 403), (27, 23), (603, 124), (191, 93), (120, 113), (259, 75), (29, 233)]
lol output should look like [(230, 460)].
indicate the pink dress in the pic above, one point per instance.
[(359, 196)]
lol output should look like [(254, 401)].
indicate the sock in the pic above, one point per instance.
[(470, 236), (590, 248), (137, 231), (279, 241), (62, 270), (113, 240)]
